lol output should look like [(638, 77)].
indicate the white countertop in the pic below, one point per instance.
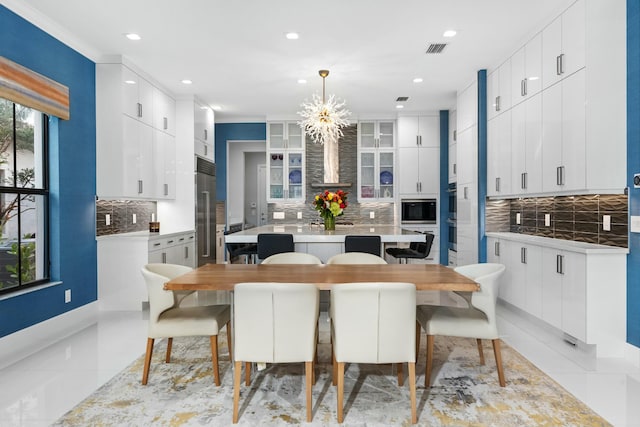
[(567, 245), (317, 234), (147, 235)]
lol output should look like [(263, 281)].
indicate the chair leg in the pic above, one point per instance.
[(427, 374), (400, 375), (340, 391), (236, 390), (147, 361), (412, 391), (214, 358), (308, 368), (229, 344), (418, 331), (498, 356), (167, 358), (480, 352), (247, 373), (334, 369)]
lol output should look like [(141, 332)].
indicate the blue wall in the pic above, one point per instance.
[(482, 164), (444, 187), (233, 132), (72, 161), (633, 166)]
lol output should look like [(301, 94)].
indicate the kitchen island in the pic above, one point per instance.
[(315, 240)]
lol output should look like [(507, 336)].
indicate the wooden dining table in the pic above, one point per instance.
[(223, 277)]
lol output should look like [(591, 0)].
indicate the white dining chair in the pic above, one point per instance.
[(274, 323), (478, 320), (167, 319), (373, 323), (356, 258), (292, 258)]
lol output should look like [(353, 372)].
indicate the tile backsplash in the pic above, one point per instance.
[(121, 212), (578, 218)]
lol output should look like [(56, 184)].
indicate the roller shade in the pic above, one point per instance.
[(25, 87)]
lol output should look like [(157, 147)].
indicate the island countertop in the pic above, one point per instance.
[(317, 234)]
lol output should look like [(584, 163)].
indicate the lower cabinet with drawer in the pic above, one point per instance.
[(577, 288), (122, 256)]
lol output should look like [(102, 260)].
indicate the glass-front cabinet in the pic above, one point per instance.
[(376, 161), (285, 156)]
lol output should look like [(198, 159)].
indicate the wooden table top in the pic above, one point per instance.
[(222, 277)]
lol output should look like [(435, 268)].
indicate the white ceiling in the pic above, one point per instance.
[(238, 57)]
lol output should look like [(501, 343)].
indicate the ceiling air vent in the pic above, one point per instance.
[(402, 99), (436, 47)]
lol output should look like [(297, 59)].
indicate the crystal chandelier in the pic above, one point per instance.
[(323, 119)]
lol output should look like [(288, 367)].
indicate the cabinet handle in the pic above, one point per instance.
[(205, 135), (420, 187), (205, 150), (165, 123), (166, 189), (139, 110), (466, 192), (560, 175), (496, 248), (169, 242), (558, 70), (140, 186), (455, 135), (186, 252), (498, 103), (164, 257), (455, 168), (417, 187), (498, 184), (560, 264), (420, 136), (562, 63), (521, 87), (417, 139), (523, 180), (525, 86), (523, 255), (156, 244)]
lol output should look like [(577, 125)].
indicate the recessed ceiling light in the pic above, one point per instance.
[(216, 107), (399, 106), (130, 82), (187, 81), (133, 36), (417, 80), (449, 33), (292, 36), (302, 81)]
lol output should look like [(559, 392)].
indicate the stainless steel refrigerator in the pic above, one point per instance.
[(205, 211)]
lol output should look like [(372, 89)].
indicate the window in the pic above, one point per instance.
[(24, 259)]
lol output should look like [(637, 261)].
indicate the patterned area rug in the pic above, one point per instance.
[(464, 393)]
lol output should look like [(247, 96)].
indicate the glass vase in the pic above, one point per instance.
[(330, 222)]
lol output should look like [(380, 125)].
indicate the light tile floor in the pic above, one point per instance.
[(41, 387)]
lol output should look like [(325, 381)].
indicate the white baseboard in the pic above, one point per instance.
[(30, 340)]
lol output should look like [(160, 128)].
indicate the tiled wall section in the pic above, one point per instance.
[(357, 213), (121, 212), (577, 218)]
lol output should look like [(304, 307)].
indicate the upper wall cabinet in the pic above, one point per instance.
[(285, 156), (203, 131), (135, 159), (376, 161), (499, 90), (526, 70), (563, 45), (419, 155)]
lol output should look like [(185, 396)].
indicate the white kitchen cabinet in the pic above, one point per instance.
[(499, 155), (526, 146), (178, 249), (164, 112), (419, 155), (286, 165), (498, 251), (376, 161), (526, 71), (563, 45), (499, 90), (564, 139), (203, 131), (127, 143)]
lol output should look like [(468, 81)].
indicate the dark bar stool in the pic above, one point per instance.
[(248, 250), (416, 250), (367, 244), (274, 243)]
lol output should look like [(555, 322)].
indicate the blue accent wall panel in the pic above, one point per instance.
[(72, 160), (482, 164), (444, 186), (633, 166), (233, 132)]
